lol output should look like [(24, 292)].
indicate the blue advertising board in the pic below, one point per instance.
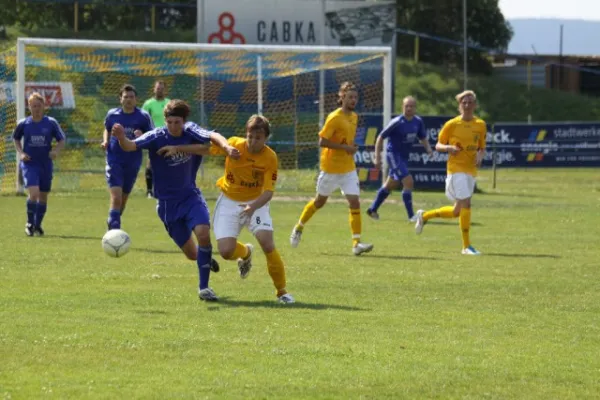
[(547, 145), (514, 145)]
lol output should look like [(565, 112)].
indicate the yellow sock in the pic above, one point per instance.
[(241, 251), (307, 213), (443, 212), (355, 225), (464, 221), (277, 271)]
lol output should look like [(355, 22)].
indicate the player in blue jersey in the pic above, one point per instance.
[(175, 153), (121, 167), (36, 155), (401, 132)]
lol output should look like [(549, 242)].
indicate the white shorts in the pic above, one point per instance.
[(228, 223), (327, 183), (459, 186)]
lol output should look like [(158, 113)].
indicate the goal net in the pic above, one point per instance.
[(294, 86)]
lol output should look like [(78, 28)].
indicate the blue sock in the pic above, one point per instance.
[(39, 213), (382, 194), (407, 198), (203, 261), (114, 219), (31, 207)]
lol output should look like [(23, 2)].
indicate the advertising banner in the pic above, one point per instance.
[(292, 22), (547, 145), (57, 94)]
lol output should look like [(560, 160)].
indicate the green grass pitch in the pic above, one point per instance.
[(413, 319)]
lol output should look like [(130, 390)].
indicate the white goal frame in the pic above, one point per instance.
[(198, 47)]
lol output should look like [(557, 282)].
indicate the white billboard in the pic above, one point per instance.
[(293, 22)]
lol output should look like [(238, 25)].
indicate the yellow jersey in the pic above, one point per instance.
[(248, 177), (339, 128), (469, 136)]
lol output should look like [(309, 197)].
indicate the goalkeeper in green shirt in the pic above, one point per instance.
[(155, 106)]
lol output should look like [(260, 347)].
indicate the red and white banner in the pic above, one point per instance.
[(292, 22), (57, 94)]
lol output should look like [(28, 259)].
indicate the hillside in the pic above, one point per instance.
[(499, 99)]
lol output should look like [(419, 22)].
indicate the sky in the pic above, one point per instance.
[(565, 9)]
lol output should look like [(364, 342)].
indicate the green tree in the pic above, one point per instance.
[(486, 27)]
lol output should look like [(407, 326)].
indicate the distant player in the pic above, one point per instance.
[(337, 167), (463, 137), (122, 167), (401, 133), (175, 155), (247, 187), (36, 155), (155, 107)]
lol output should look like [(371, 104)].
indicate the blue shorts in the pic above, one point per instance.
[(122, 175), (37, 174), (398, 167), (181, 216)]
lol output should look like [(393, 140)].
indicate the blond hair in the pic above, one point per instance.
[(36, 96), (464, 94), (345, 88)]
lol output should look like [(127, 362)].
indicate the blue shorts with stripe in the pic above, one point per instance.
[(181, 216), (398, 167)]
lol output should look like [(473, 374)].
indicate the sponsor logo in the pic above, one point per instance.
[(226, 33)]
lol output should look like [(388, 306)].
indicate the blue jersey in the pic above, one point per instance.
[(402, 134), (137, 120), (37, 137), (174, 177)]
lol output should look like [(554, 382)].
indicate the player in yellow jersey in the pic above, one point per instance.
[(247, 187), (463, 137), (337, 168)]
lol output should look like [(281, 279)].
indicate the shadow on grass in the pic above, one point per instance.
[(159, 251), (73, 237), (369, 255), (226, 301), (448, 221), (521, 255)]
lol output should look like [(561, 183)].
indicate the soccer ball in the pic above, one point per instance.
[(116, 243)]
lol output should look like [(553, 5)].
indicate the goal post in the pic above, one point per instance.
[(294, 86)]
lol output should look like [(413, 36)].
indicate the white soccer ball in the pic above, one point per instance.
[(116, 243)]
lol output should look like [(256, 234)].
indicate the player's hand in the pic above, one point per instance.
[(454, 150), (351, 149), (118, 131), (246, 213), (377, 162), (479, 158), (25, 157), (167, 151), (138, 133), (232, 152), (53, 154), (104, 145)]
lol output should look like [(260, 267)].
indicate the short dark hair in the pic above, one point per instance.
[(177, 108), (127, 88), (258, 123)]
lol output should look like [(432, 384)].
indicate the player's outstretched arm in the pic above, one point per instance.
[(119, 132), (193, 149), (219, 140)]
